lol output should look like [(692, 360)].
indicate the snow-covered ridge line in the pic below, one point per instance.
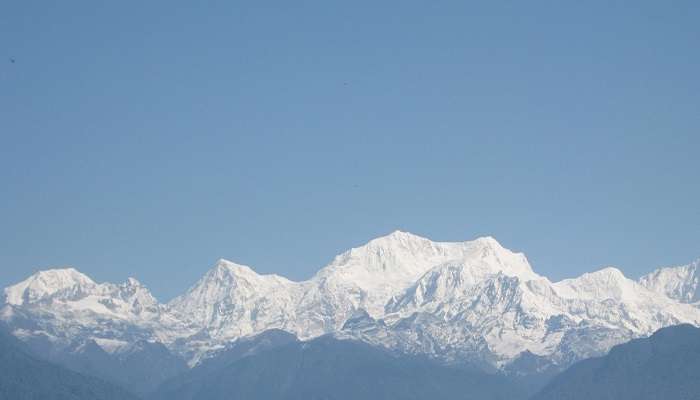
[(64, 282), (471, 300), (681, 283)]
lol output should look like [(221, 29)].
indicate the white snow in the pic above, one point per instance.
[(472, 300), (45, 284), (111, 346), (679, 283)]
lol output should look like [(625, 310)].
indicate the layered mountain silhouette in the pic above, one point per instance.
[(663, 366), (24, 377), (328, 368)]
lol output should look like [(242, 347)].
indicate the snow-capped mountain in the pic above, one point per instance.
[(64, 304), (679, 283), (449, 315), (71, 290), (231, 300), (384, 267), (474, 302)]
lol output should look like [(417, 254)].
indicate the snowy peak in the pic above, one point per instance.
[(232, 299), (227, 278), (608, 276), (453, 280), (136, 296), (405, 251), (680, 283), (227, 270), (385, 267), (473, 300), (226, 266), (132, 282), (607, 283), (397, 253), (228, 300), (46, 284), (66, 293), (228, 273), (487, 252), (398, 236), (510, 315)]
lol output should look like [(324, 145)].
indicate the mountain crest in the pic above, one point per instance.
[(132, 282), (226, 267), (680, 283), (474, 299), (45, 284), (606, 283)]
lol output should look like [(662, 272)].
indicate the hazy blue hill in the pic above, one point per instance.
[(237, 350), (327, 368), (663, 366), (140, 368), (23, 377)]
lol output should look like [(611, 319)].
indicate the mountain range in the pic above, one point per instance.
[(457, 304)]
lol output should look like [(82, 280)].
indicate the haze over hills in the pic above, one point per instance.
[(24, 377), (328, 368), (472, 302), (663, 366)]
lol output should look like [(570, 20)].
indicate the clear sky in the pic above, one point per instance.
[(149, 139)]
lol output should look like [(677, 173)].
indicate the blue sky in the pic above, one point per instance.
[(149, 140)]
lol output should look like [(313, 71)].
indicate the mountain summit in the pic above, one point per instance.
[(45, 284), (680, 283), (473, 301)]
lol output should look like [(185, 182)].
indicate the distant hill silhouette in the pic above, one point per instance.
[(663, 366), (24, 377), (328, 368)]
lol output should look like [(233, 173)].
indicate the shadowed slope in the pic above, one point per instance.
[(327, 368), (22, 377), (663, 366)]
